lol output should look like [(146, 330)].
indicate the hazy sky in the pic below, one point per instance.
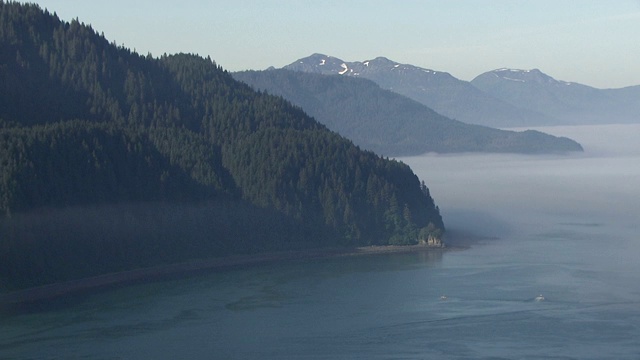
[(596, 42)]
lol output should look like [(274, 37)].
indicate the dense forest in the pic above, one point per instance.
[(389, 123), (111, 160)]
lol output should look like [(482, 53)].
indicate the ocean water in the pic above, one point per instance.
[(561, 226)]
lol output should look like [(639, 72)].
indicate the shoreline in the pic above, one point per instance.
[(39, 294)]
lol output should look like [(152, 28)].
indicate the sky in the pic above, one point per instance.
[(593, 42)]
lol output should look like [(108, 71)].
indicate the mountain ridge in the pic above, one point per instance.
[(496, 98), (439, 90), (569, 102), (389, 123)]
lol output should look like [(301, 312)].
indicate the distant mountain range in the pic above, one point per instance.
[(569, 102), (500, 98), (447, 95), (391, 124)]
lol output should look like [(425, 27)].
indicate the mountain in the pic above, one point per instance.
[(114, 161), (438, 90), (388, 123), (570, 102)]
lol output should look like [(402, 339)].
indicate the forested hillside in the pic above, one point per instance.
[(111, 160), (391, 124)]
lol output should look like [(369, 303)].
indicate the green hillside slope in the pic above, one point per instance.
[(112, 161)]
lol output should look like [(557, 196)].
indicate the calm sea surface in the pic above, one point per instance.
[(565, 227)]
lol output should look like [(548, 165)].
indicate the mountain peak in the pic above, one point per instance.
[(318, 63), (523, 76), (568, 102), (381, 60), (329, 65), (438, 90)]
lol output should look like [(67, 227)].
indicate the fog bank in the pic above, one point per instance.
[(493, 194)]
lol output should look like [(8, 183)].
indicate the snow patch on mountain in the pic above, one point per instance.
[(512, 70)]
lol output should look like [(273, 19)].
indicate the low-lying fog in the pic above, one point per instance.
[(497, 194)]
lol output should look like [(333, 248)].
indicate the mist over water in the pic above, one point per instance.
[(597, 186), (561, 226)]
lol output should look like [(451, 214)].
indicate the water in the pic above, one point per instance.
[(562, 226)]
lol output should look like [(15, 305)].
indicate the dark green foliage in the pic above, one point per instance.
[(389, 123), (75, 162), (111, 161)]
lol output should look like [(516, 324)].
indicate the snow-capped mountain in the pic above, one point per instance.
[(570, 102), (534, 75), (438, 90), (329, 65)]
